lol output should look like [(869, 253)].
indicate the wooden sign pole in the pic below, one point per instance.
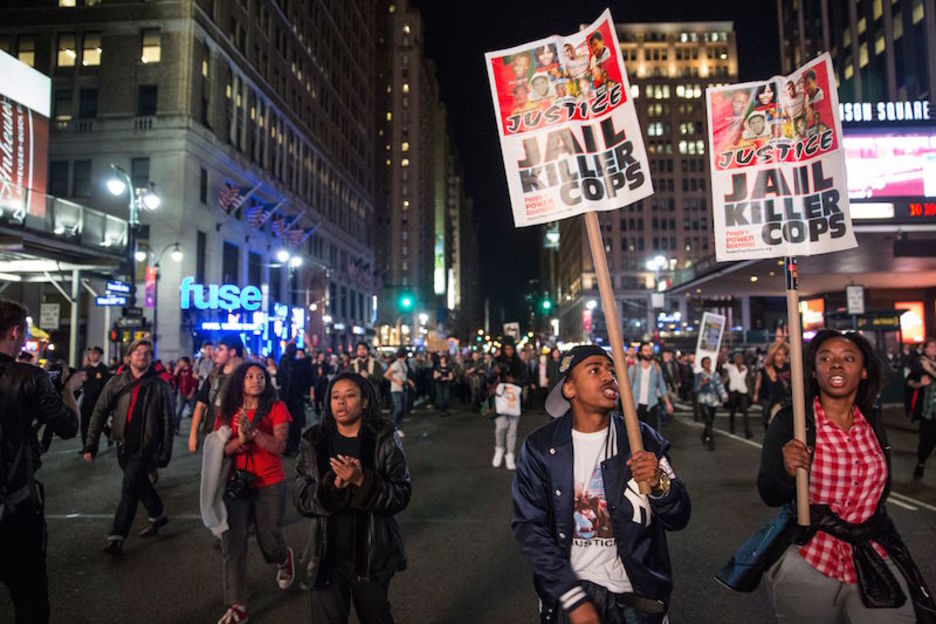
[(799, 390), (600, 261)]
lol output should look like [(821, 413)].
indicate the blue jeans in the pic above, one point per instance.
[(399, 407), (443, 395)]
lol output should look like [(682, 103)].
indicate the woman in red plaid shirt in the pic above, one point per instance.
[(848, 458)]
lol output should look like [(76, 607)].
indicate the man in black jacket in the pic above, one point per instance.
[(27, 399), (597, 546), (96, 375), (140, 403)]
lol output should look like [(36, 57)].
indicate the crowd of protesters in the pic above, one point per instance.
[(342, 416)]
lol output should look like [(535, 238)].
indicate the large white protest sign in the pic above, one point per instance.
[(569, 133), (711, 331), (778, 166)]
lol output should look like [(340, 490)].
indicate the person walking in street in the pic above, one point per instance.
[(228, 356), (922, 403), (368, 367), (851, 565), (186, 387), (295, 378), (774, 388), (710, 392), (738, 396), (352, 480), (444, 377), (96, 375), (204, 363), (139, 404), (256, 487), (651, 395), (401, 384), (28, 400), (509, 375), (320, 377), (596, 545)]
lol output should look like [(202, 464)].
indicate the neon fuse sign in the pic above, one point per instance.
[(214, 296)]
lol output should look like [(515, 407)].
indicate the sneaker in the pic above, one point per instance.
[(114, 548), (509, 461), (236, 614), (498, 456), (400, 433), (286, 572), (918, 472), (153, 527)]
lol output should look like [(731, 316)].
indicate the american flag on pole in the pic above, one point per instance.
[(295, 236), (227, 197), (280, 224), (258, 213), (231, 197)]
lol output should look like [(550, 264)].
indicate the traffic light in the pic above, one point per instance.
[(546, 304), (405, 302)]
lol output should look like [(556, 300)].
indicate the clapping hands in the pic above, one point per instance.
[(347, 471)]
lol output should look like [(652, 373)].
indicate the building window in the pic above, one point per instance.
[(62, 105), (917, 12), (87, 103), (91, 49), (67, 3), (405, 87), (404, 146), (26, 50), (58, 178), (146, 100), (205, 61), (201, 247), (81, 178), (404, 162), (66, 50), (140, 172), (203, 186), (150, 52), (230, 264)]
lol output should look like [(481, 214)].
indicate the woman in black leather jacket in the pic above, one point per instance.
[(850, 564), (352, 480)]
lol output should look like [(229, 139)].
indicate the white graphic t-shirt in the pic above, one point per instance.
[(594, 554)]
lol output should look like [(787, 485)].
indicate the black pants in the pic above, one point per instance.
[(738, 402), (297, 411), (136, 488), (708, 414), (927, 440), (650, 416), (611, 608), (331, 604), (23, 563)]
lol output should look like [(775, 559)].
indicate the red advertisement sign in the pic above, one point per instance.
[(150, 289), (24, 140)]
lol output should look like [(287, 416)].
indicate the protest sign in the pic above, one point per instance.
[(571, 144), (711, 331), (778, 166), (569, 133)]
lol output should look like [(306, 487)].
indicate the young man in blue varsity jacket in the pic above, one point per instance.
[(596, 545)]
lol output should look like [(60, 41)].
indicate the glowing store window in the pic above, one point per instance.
[(911, 321)]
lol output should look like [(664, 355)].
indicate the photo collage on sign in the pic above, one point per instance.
[(783, 110), (559, 71)]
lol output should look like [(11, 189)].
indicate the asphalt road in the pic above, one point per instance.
[(464, 565)]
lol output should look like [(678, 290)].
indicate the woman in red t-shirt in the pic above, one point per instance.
[(260, 425)]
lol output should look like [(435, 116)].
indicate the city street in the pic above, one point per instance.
[(464, 565)]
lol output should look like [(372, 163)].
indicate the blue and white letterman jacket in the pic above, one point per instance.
[(543, 507)]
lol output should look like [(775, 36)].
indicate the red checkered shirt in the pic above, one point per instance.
[(848, 474)]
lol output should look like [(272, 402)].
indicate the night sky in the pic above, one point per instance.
[(457, 34)]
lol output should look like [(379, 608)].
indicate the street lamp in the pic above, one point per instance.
[(146, 197), (292, 262), (176, 255)]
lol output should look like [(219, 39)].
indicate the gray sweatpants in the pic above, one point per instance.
[(265, 507), (505, 432), (803, 595)]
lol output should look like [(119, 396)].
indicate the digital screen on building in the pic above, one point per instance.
[(813, 313), (911, 321), (891, 163), (25, 96)]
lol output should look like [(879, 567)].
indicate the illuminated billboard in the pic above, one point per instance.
[(911, 321), (891, 163), (24, 139)]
